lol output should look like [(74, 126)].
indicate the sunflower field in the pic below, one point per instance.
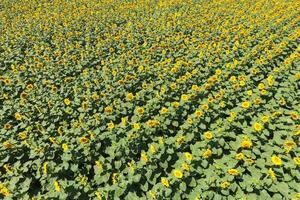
[(149, 99)]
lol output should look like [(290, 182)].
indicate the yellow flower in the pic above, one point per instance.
[(7, 144), (114, 178), (239, 156), (56, 186), (208, 135), (175, 104), (276, 160), (188, 156), (185, 166), (233, 172), (261, 86), (173, 86), (108, 110), (136, 126), (110, 125), (205, 107), (163, 110), (67, 101), (265, 118), (207, 153), (29, 87), (249, 92), (18, 116), (45, 167), (123, 121), (165, 182), (140, 110), (263, 92), (152, 148), (129, 96), (98, 195), (198, 113), (65, 146), (246, 144), (257, 126), (246, 104), (4, 191), (144, 157), (294, 115), (296, 160), (184, 97), (152, 194), (177, 173), (23, 135), (289, 145), (84, 105), (83, 140), (225, 184), (7, 126), (272, 174), (152, 123)]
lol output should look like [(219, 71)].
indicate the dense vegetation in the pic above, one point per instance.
[(149, 99)]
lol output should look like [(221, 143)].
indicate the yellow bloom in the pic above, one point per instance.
[(272, 174), (261, 86), (173, 86), (185, 166), (163, 110), (225, 184), (152, 148), (56, 186), (296, 160), (7, 126), (140, 110), (7, 144), (23, 135), (165, 182), (129, 96), (98, 195), (18, 116), (257, 126), (177, 173), (294, 115), (188, 156), (246, 144), (265, 118), (207, 153), (205, 107), (136, 126), (45, 167), (246, 104), (276, 160), (114, 178), (198, 113), (152, 194), (108, 110), (175, 104), (233, 172), (123, 121), (208, 135), (144, 157), (249, 92), (110, 125), (289, 145), (4, 191), (67, 101), (184, 97), (239, 156), (65, 146), (83, 140)]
